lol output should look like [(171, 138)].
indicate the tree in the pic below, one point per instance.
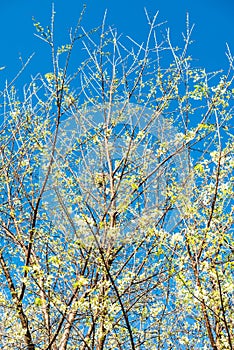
[(117, 199)]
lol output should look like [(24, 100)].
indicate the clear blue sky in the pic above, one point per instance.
[(214, 26)]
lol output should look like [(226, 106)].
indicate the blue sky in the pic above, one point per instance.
[(214, 23)]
